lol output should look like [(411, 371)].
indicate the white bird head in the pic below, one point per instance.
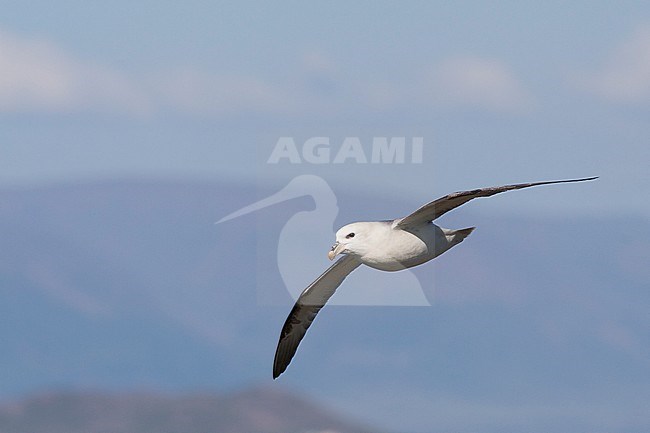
[(350, 239)]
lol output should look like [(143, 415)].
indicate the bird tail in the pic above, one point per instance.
[(461, 234)]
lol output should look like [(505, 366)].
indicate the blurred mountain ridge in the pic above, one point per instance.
[(254, 410)]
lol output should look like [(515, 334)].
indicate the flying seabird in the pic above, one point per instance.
[(385, 245)]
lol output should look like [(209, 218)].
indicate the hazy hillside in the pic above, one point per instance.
[(537, 324), (252, 411)]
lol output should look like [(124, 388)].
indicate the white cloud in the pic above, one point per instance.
[(465, 82), (35, 75), (194, 91), (38, 76), (322, 77), (477, 83), (317, 62), (625, 76)]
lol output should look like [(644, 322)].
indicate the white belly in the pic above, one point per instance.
[(401, 249)]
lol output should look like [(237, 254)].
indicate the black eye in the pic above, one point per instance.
[(351, 235)]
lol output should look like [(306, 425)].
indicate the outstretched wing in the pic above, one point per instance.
[(437, 208), (311, 300)]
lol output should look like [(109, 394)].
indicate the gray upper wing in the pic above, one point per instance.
[(437, 208), (311, 300)]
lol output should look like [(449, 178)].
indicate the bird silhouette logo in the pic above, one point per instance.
[(308, 233)]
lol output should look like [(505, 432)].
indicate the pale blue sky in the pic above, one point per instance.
[(501, 92)]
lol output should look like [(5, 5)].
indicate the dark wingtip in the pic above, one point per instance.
[(278, 367), (582, 179), (277, 371)]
